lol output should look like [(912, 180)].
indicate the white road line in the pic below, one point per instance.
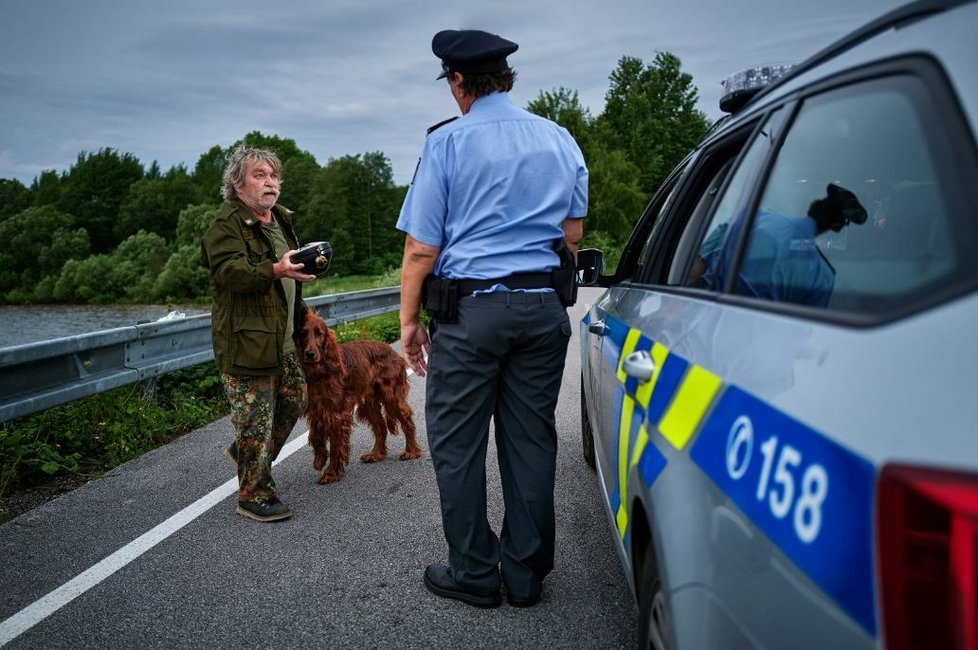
[(40, 609)]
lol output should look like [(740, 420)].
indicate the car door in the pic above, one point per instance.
[(604, 334)]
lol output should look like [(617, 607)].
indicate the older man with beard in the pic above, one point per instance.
[(256, 309)]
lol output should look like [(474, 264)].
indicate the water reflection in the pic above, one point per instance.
[(19, 325)]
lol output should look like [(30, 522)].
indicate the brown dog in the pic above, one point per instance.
[(363, 375)]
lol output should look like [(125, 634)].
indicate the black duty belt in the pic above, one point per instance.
[(514, 281)]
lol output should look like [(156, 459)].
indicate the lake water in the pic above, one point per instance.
[(19, 325)]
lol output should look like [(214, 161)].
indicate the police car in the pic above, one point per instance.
[(780, 383)]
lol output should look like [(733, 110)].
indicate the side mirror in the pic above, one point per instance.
[(590, 266)]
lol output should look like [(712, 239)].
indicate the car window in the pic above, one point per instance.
[(716, 249), (852, 215), (655, 217)]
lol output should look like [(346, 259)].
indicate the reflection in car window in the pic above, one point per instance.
[(704, 270), (852, 215)]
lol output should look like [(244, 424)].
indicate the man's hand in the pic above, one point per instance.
[(415, 346), (285, 268)]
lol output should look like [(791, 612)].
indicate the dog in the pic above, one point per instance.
[(362, 379)]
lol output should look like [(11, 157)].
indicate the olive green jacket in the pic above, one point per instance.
[(249, 313)]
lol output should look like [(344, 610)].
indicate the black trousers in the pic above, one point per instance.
[(502, 359)]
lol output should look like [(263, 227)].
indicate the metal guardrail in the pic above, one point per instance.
[(37, 376)]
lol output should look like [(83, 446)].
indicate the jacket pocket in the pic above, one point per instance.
[(255, 344)]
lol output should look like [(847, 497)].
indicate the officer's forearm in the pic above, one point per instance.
[(418, 263), (573, 233)]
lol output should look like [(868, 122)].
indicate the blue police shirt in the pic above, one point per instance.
[(491, 190), (782, 262)]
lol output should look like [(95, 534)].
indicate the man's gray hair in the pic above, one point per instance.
[(238, 165)]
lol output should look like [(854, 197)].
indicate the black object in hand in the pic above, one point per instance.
[(314, 257)]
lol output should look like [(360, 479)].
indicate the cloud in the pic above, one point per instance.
[(166, 81)]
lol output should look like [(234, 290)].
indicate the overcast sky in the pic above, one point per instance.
[(167, 79)]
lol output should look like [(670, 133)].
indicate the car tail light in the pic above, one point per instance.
[(927, 531)]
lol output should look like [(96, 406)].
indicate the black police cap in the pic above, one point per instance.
[(471, 51)]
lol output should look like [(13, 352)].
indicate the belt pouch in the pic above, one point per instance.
[(440, 299)]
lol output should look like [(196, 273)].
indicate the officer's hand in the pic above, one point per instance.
[(285, 268), (415, 346)]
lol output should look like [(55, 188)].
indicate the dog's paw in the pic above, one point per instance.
[(330, 476), (411, 455), (372, 457)]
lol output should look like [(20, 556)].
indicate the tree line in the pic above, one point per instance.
[(110, 230)]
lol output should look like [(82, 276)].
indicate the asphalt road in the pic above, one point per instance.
[(152, 555)]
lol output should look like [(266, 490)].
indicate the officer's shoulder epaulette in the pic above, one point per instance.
[(435, 127)]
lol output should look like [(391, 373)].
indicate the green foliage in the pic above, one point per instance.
[(37, 242), (14, 197), (183, 278), (88, 281), (94, 190), (386, 328), (650, 113), (354, 205), (127, 275), (193, 223), (615, 198), (331, 284), (92, 435), (46, 188), (153, 205), (208, 175)]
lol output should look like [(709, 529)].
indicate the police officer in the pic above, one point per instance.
[(493, 191)]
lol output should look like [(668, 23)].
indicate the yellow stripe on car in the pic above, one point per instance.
[(689, 405)]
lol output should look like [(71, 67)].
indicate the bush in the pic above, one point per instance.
[(94, 434)]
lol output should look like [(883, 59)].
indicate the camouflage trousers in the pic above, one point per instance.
[(264, 411)]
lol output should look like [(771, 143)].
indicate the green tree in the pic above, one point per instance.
[(193, 223), (615, 199), (127, 275), (354, 205), (650, 114), (14, 197), (94, 190), (154, 204), (36, 243), (183, 277), (138, 260), (46, 188), (208, 175)]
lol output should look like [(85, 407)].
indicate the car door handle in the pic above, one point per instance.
[(639, 365), (597, 327)]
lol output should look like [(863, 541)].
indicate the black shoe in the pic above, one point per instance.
[(272, 510), (522, 602), (232, 454), (439, 581)]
